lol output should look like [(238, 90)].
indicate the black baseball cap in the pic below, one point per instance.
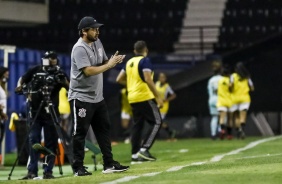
[(50, 54), (88, 22)]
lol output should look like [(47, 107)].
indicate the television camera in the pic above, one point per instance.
[(44, 81)]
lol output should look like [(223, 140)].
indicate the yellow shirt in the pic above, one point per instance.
[(125, 106), (138, 90), (223, 93), (240, 92), (64, 106), (164, 90)]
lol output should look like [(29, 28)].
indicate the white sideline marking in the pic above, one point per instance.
[(216, 158), (151, 174), (183, 150), (198, 163), (124, 179), (129, 178), (176, 168), (249, 146), (259, 156)]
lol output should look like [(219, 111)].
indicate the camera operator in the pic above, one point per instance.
[(43, 83)]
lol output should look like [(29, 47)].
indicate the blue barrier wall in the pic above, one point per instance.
[(18, 64), (22, 59)]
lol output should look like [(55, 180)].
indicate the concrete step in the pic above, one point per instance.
[(207, 8), (204, 22), (198, 14), (197, 30), (202, 18), (192, 45), (208, 1), (197, 40), (197, 34), (203, 5), (192, 52)]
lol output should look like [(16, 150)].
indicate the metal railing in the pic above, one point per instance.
[(198, 38)]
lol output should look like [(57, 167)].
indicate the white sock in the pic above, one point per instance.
[(143, 149), (214, 125), (134, 156)]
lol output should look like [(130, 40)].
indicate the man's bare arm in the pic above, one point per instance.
[(121, 78), (151, 85)]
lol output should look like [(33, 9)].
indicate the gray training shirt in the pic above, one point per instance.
[(82, 87)]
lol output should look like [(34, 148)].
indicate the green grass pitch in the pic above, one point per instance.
[(255, 160)]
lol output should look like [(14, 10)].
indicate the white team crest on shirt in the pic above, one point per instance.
[(100, 51), (82, 112)]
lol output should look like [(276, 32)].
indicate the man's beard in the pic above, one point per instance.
[(90, 38)]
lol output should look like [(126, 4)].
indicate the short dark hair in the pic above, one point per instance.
[(226, 71), (80, 32), (216, 66), (3, 70), (242, 70), (139, 46)]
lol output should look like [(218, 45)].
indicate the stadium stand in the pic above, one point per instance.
[(155, 21), (247, 21)]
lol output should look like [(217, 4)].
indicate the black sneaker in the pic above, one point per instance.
[(146, 155), (48, 175), (81, 171), (138, 160), (29, 176), (114, 167)]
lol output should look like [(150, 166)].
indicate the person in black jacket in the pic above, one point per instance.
[(43, 83)]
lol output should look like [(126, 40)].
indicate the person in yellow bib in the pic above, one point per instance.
[(64, 109), (144, 99), (167, 94), (126, 115), (224, 103), (241, 85)]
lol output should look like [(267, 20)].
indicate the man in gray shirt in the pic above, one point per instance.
[(88, 62)]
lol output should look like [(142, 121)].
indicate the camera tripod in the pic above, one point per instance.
[(48, 104)]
